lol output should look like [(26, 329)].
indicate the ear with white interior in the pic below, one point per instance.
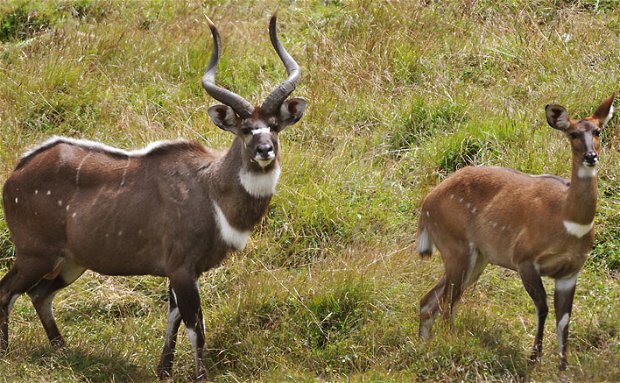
[(557, 117), (605, 111), (291, 111), (224, 117)]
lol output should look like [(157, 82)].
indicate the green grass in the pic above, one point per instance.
[(400, 94)]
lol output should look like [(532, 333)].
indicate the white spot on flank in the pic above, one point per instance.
[(428, 213), (468, 205), (120, 233), (586, 172), (577, 229), (564, 284), (16, 200), (67, 208), (260, 184), (36, 192), (461, 199), (49, 192), (107, 235), (59, 202), (233, 237), (73, 215)]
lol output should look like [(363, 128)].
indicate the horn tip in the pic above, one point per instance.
[(211, 24)]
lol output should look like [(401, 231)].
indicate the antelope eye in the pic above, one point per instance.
[(246, 131), (596, 132), (574, 135)]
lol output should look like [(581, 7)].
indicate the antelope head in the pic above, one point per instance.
[(256, 127), (583, 134)]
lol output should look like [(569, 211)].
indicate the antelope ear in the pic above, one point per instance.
[(224, 117), (605, 111), (291, 111), (557, 117)]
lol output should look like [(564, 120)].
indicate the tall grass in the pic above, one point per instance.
[(400, 94)]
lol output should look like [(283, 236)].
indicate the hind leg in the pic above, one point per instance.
[(43, 294), (25, 273)]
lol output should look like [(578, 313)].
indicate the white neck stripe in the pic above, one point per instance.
[(577, 229), (233, 237)]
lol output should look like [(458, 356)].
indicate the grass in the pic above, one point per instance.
[(400, 94)]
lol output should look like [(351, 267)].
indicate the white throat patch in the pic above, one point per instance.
[(577, 229), (235, 238), (260, 184), (586, 172)]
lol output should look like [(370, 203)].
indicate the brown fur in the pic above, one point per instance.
[(482, 215)]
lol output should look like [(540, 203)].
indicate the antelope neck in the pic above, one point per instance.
[(582, 193)]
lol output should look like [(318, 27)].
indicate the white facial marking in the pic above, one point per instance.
[(233, 237), (264, 162), (260, 131), (565, 284), (561, 326), (260, 184), (577, 229), (586, 172)]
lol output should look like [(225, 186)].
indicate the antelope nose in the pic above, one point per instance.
[(591, 158), (264, 150)]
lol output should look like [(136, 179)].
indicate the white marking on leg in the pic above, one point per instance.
[(561, 326), (425, 328), (173, 316), (193, 340), (11, 303), (473, 257), (233, 237), (577, 229), (565, 284), (260, 184)]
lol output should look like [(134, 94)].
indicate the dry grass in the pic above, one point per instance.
[(401, 94)]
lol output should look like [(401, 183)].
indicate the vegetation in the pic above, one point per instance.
[(401, 94)]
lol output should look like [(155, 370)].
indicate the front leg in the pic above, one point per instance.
[(164, 369), (563, 303), (187, 296), (535, 288)]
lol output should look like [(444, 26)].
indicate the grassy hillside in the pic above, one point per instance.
[(400, 95)]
